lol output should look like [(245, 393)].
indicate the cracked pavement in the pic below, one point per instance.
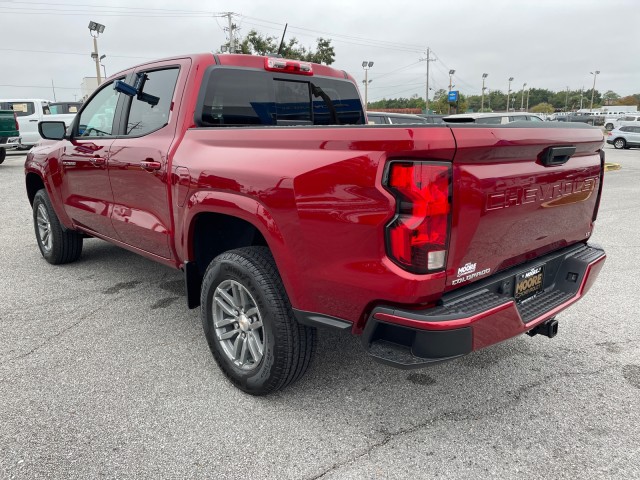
[(104, 372)]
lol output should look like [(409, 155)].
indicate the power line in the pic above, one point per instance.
[(68, 53), (48, 87)]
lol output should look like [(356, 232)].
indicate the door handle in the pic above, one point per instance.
[(98, 161), (150, 165), (33, 120)]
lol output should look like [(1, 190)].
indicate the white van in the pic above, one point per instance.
[(30, 111)]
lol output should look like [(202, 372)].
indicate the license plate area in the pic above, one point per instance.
[(529, 283)]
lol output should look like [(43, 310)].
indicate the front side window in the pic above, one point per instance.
[(145, 117), (96, 120)]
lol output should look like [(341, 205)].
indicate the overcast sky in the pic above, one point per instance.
[(545, 43)]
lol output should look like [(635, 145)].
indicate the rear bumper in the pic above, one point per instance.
[(481, 314)]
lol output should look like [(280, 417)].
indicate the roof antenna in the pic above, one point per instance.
[(282, 41)]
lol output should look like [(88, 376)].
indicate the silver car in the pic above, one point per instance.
[(624, 137)]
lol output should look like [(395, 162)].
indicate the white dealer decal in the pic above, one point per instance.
[(467, 269), (468, 272)]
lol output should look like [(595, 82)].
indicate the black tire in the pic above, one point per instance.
[(620, 143), (287, 345), (59, 245), (608, 127), (3, 155)]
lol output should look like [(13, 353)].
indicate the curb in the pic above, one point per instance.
[(608, 166)]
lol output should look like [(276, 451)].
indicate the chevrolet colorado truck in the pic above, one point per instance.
[(260, 179), (9, 128)]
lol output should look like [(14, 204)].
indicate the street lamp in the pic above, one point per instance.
[(522, 97), (366, 65), (595, 74), (566, 100), (484, 76), (451, 72), (509, 92), (96, 29), (528, 90)]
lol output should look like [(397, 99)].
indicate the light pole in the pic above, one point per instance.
[(528, 90), (581, 92), (522, 97), (484, 76), (451, 72), (595, 74), (509, 92), (96, 29), (366, 65), (102, 57), (566, 100)]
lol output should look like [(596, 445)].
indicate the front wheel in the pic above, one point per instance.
[(3, 154), (249, 324), (619, 143), (57, 245)]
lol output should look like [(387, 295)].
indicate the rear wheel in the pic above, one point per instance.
[(56, 244), (619, 143), (609, 127), (249, 324)]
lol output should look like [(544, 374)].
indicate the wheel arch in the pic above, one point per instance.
[(218, 222)]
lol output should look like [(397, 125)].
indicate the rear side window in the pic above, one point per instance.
[(489, 120), (376, 119), (406, 121), (240, 97), (145, 117), (22, 109)]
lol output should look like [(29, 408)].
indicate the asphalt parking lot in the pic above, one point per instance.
[(104, 372)]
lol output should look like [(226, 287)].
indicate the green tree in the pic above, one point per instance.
[(610, 97), (543, 108), (257, 44)]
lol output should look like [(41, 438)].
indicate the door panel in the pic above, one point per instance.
[(85, 186), (138, 164)]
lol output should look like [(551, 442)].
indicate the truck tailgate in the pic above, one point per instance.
[(509, 205)]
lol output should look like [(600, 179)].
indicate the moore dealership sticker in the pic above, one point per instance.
[(529, 283), (468, 272)]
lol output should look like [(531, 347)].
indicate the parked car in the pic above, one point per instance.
[(625, 137), (9, 128), (492, 118), (387, 118), (588, 118), (30, 111), (433, 118), (429, 242)]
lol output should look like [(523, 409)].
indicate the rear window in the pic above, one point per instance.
[(239, 97), (22, 109)]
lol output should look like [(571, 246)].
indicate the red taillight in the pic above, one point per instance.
[(418, 236), (287, 66), (15, 119)]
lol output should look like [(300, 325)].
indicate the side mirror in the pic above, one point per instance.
[(52, 130)]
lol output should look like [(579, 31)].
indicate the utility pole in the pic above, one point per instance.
[(528, 90), (231, 29), (426, 96), (522, 97), (509, 92), (581, 92), (54, 90), (566, 99)]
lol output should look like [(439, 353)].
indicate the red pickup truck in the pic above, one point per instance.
[(260, 179)]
